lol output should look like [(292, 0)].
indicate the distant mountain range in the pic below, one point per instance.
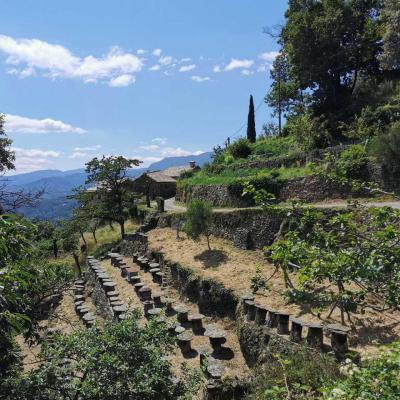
[(59, 184)]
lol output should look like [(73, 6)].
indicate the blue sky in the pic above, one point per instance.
[(143, 79)]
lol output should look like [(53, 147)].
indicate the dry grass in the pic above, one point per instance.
[(236, 268), (107, 234)]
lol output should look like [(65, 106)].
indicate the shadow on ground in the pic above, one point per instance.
[(212, 258)]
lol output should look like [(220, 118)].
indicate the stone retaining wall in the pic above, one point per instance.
[(247, 229), (99, 297), (212, 297)]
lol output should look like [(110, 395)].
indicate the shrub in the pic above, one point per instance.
[(377, 379), (353, 161), (294, 376), (104, 249), (121, 361), (198, 220), (310, 132), (387, 149), (240, 149)]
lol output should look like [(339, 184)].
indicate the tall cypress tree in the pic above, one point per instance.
[(251, 123)]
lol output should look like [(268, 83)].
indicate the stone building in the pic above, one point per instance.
[(161, 183), (155, 184)]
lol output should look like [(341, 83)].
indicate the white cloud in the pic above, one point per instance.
[(157, 52), (268, 56), (88, 148), (79, 154), (35, 153), (155, 68), (28, 160), (187, 59), (200, 79), (246, 72), (217, 68), (29, 56), (141, 52), (122, 80), (150, 147), (187, 68), (236, 63), (169, 151), (159, 140), (165, 60), (18, 124)]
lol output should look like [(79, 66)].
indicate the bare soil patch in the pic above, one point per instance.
[(370, 328)]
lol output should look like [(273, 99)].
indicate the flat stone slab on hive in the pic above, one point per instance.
[(181, 308), (121, 308), (215, 369), (154, 312), (186, 336)]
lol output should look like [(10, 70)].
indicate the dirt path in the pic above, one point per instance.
[(172, 206)]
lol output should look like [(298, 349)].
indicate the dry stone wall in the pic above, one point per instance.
[(247, 228)]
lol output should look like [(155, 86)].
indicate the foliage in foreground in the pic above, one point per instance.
[(301, 377), (378, 379), (298, 376), (26, 282), (123, 361), (343, 258)]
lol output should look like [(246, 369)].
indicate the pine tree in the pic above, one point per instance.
[(251, 123)]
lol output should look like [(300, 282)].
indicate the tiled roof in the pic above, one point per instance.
[(160, 177), (175, 172)]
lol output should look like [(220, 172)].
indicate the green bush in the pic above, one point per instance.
[(275, 146), (240, 149), (120, 361), (198, 220), (387, 149), (353, 162), (378, 379), (294, 376), (310, 132), (104, 249)]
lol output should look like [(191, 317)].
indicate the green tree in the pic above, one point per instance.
[(251, 123), (26, 282), (390, 59), (331, 45), (7, 156), (123, 361), (387, 149), (284, 94), (69, 236), (198, 220), (109, 174), (344, 257)]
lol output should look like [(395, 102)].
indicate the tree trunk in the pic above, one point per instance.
[(83, 237), (111, 225), (208, 242), (279, 107), (78, 265), (55, 248), (122, 226), (148, 199), (94, 235)]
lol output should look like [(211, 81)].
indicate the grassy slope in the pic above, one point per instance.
[(106, 235), (229, 176)]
